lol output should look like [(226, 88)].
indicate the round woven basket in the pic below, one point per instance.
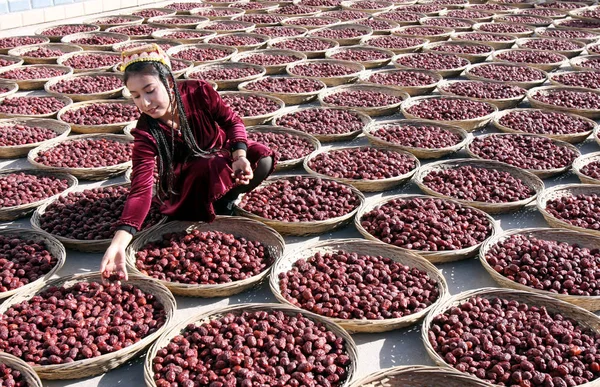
[(205, 12), (591, 303), (257, 120), (62, 130), (392, 25), (287, 164), (431, 256), (104, 363), (498, 44), (467, 23), (584, 318), (570, 138), (61, 60), (361, 247), (581, 162), (541, 173), (364, 185), (367, 31), (164, 35), (66, 100), (240, 227), (37, 38), (301, 228), (556, 82), (530, 30), (446, 73), (292, 98), (54, 247), (309, 54), (95, 47), (472, 58), (329, 81), (432, 38), (139, 42), (468, 125), (487, 16), (12, 87), (29, 376), (271, 69), (418, 376), (592, 48), (331, 21), (164, 11), (227, 84), (22, 51), (213, 314), (578, 13), (38, 83), (194, 21), (231, 51), (243, 26), (421, 153), (352, 6), (524, 85), (501, 104), (101, 21), (366, 120), (16, 212), (560, 191), (542, 21), (57, 38), (567, 53), (101, 173), (370, 111), (115, 93), (578, 63), (531, 180), (250, 47), (17, 61), (131, 33), (406, 50), (368, 64), (540, 66), (560, 24), (589, 113), (410, 90), (94, 129)]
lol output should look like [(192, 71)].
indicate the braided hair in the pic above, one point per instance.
[(166, 149)]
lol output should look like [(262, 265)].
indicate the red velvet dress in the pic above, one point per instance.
[(199, 181)]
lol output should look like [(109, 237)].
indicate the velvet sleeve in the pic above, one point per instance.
[(142, 180), (228, 120)]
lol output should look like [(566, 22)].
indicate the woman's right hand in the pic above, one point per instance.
[(114, 259)]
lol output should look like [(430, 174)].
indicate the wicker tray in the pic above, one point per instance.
[(329, 81), (177, 74), (351, 6), (258, 120), (566, 53), (64, 48), (469, 22), (16, 212), (127, 131), (402, 376), (257, 46), (240, 227), (592, 48), (139, 42), (231, 51), (12, 87), (115, 93), (246, 26), (68, 101), (40, 39), (201, 11), (95, 129), (57, 38), (272, 69), (591, 39), (407, 50), (421, 153), (53, 246), (498, 45), (431, 256), (577, 13), (559, 191), (104, 363), (370, 111), (61, 60), (206, 316), (164, 35), (18, 61), (540, 66), (289, 98), (364, 185), (368, 31), (368, 64), (194, 21), (301, 228), (361, 247), (133, 20), (410, 90), (95, 47), (589, 113), (432, 38), (468, 7), (542, 22), (578, 63), (591, 303), (287, 164), (446, 73), (555, 82), (501, 104), (27, 373), (101, 173), (530, 32), (289, 22), (331, 137), (524, 85), (582, 161), (559, 24), (309, 54), (583, 317), (9, 152), (531, 180), (228, 84), (472, 58), (570, 138), (468, 125), (167, 12), (541, 173), (38, 83)]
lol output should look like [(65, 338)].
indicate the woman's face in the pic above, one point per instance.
[(149, 95)]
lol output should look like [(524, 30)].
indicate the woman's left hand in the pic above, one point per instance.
[(242, 170)]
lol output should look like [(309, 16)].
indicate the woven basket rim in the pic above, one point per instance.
[(582, 161), (132, 19), (287, 21), (546, 20), (451, 376), (477, 26), (456, 37), (447, 30), (545, 89), (559, 24), (578, 61), (365, 41), (371, 62), (31, 378)]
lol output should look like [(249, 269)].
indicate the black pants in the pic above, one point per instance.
[(224, 206)]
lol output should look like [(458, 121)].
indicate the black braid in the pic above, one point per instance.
[(166, 152)]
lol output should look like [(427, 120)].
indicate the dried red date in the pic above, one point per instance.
[(468, 14), (226, 25), (150, 12), (592, 63), (449, 109), (186, 5), (7, 62), (311, 21), (21, 188), (31, 105), (423, 136), (190, 34), (86, 153), (101, 114), (448, 22), (322, 121), (545, 122), (591, 169), (423, 31), (347, 15), (525, 19), (484, 90), (258, 18), (432, 61), (401, 16), (14, 134), (88, 85), (251, 105), (294, 9), (577, 23), (507, 73), (376, 24), (12, 377)]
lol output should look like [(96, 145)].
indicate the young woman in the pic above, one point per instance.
[(204, 157)]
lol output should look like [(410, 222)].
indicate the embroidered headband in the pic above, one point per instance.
[(146, 53)]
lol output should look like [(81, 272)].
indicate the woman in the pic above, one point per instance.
[(203, 167)]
